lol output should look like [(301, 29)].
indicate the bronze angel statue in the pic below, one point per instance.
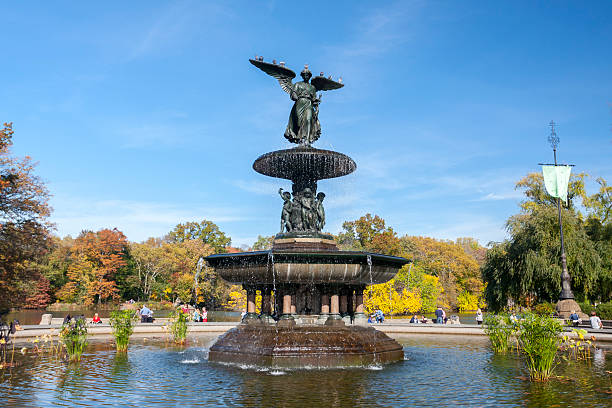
[(303, 127)]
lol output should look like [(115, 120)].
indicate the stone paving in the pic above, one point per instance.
[(391, 327)]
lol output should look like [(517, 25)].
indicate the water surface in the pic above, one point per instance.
[(444, 372)]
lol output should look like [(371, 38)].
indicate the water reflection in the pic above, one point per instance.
[(459, 371)]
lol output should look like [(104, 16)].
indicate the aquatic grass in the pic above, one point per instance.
[(539, 340), (500, 330), (4, 363), (577, 347), (178, 326), (74, 338), (122, 323)]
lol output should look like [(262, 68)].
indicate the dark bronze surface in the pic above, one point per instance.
[(304, 163), (305, 346), (303, 127), (267, 267)]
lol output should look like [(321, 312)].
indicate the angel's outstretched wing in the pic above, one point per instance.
[(325, 84), (282, 74)]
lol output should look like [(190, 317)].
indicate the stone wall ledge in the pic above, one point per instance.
[(30, 332)]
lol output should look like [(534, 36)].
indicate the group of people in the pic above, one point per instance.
[(200, 315), (304, 213), (378, 316), (415, 319), (594, 320)]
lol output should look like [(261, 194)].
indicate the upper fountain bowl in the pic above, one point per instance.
[(280, 266), (304, 163)]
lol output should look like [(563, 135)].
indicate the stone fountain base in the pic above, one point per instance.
[(305, 346)]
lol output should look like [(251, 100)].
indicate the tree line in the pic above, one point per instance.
[(37, 267)]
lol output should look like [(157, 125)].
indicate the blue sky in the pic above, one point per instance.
[(146, 114)]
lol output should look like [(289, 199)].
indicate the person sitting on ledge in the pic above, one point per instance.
[(424, 319), (575, 319), (146, 315), (414, 319), (96, 319), (596, 321)]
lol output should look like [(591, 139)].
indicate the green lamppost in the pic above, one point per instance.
[(556, 180), (566, 289)]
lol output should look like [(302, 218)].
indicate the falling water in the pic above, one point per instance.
[(376, 360)]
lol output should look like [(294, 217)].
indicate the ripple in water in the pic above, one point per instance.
[(440, 373), (193, 361)]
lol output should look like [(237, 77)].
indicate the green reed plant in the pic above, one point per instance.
[(74, 336), (539, 340), (122, 322), (500, 329), (178, 326), (577, 347)]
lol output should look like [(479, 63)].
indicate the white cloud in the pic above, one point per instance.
[(515, 195), (175, 24)]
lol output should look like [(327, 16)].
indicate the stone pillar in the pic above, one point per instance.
[(334, 306), (266, 297), (265, 316), (325, 304), (251, 315), (334, 318), (286, 304), (348, 315), (343, 304), (293, 308), (286, 319), (324, 308), (360, 317)]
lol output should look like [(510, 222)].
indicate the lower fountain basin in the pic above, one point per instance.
[(305, 346), (276, 266)]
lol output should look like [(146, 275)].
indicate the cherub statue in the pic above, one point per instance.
[(286, 213), (309, 212), (303, 127), (320, 211)]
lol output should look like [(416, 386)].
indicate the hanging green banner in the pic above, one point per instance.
[(556, 180)]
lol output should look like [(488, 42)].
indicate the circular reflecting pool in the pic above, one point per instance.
[(441, 372)]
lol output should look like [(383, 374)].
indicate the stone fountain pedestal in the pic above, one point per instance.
[(315, 292), (305, 346)]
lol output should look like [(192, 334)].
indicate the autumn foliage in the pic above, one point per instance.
[(95, 259), (23, 222)]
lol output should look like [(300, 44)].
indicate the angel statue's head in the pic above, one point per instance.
[(306, 74)]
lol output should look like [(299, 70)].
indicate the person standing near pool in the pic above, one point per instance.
[(479, 317), (439, 315), (204, 314)]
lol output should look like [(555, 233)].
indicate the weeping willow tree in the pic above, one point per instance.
[(527, 267)]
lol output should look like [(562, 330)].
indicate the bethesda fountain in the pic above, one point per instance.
[(312, 311)]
